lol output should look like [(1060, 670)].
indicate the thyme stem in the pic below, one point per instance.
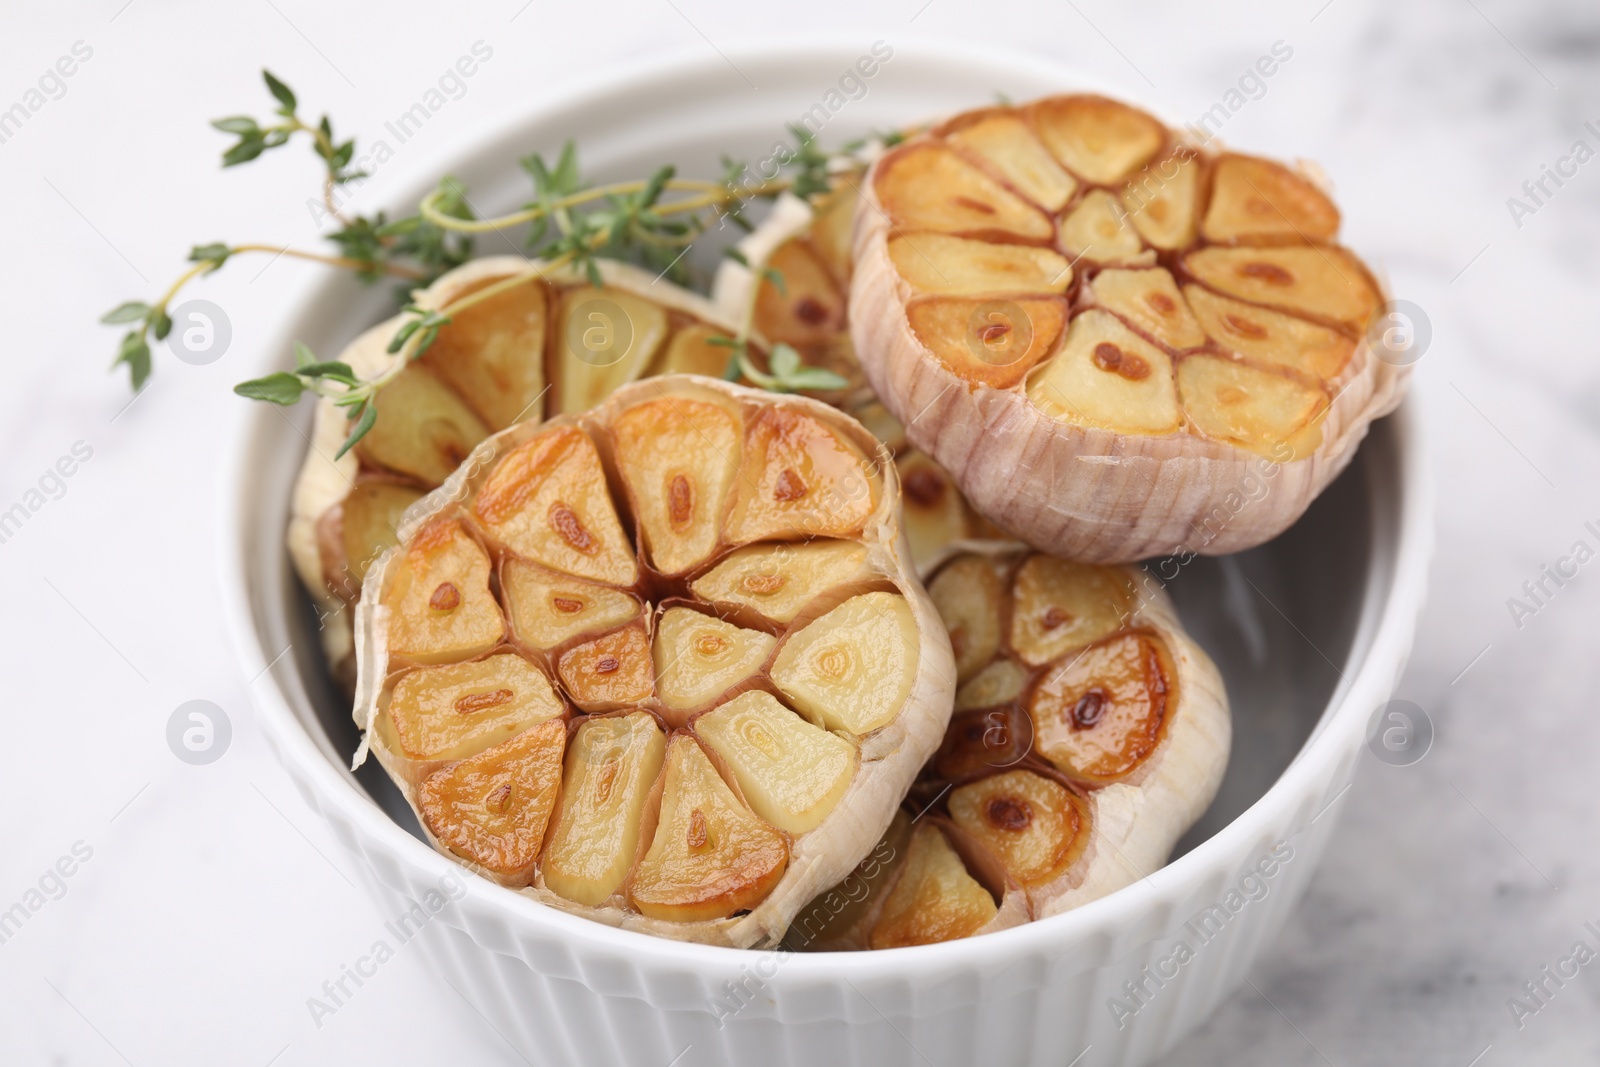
[(713, 194), (395, 270)]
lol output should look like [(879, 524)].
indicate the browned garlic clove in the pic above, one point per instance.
[(711, 856), (492, 809)]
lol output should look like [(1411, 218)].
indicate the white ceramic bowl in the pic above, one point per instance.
[(1311, 632)]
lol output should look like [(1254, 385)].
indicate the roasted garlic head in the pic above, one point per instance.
[(1089, 733), (560, 344), (663, 664), (1119, 343)]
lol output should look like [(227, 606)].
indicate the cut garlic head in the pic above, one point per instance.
[(1089, 733), (1119, 344), (662, 664), (544, 346)]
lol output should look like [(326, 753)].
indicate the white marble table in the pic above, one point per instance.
[(207, 904)]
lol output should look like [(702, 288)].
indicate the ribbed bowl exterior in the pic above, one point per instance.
[(1106, 985), (1038, 1001)]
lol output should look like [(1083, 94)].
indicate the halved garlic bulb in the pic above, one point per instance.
[(1119, 344), (541, 348), (662, 664), (1089, 733)]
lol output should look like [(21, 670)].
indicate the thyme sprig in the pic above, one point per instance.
[(255, 139), (153, 318), (571, 225)]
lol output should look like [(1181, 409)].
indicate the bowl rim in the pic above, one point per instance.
[(1391, 603)]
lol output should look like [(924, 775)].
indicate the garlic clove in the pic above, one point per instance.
[(810, 308), (458, 710), (798, 478), (1271, 414), (958, 266), (547, 609), (929, 187), (426, 429), (1324, 283), (1149, 301), (969, 594), (992, 342), (934, 898), (710, 856), (1035, 826), (1057, 605), (1098, 230), (692, 351), (609, 672), (607, 336), (791, 772), (776, 581), (1001, 142), (547, 501), (998, 684), (699, 657), (852, 668), (1100, 140), (931, 506), (1258, 199), (990, 734), (611, 765), (1108, 377), (439, 604), (833, 226), (1099, 716), (1162, 200), (677, 458), (367, 523), (1270, 337), (492, 354), (492, 809)]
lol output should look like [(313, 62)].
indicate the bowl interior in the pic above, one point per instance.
[(1282, 621)]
